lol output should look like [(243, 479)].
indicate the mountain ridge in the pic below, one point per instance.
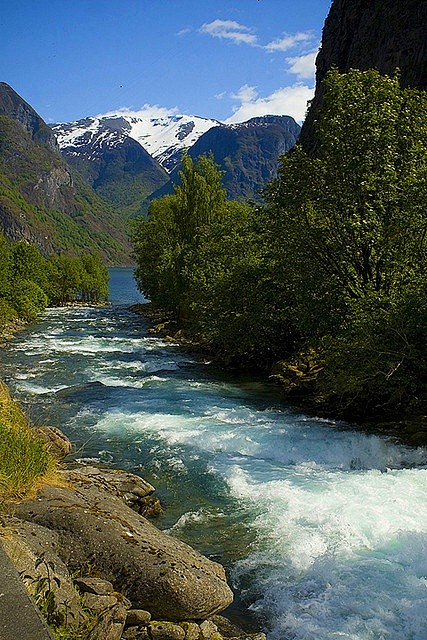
[(247, 152), (162, 136)]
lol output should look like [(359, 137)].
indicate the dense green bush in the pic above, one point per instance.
[(28, 299), (29, 282)]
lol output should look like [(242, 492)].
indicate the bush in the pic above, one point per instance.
[(29, 299)]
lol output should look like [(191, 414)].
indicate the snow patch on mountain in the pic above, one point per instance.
[(162, 133)]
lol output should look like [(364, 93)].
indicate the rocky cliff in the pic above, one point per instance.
[(13, 106), (365, 34)]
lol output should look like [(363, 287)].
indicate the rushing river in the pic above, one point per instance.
[(323, 530)]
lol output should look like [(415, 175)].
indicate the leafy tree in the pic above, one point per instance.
[(164, 243), (65, 277), (349, 229), (236, 299), (5, 266), (72, 279), (27, 263), (94, 279), (28, 299)]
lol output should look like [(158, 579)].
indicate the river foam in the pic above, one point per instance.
[(323, 529)]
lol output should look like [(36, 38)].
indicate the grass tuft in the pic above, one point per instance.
[(25, 463)]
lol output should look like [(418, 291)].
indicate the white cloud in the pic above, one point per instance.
[(246, 93), (288, 101), (230, 30), (289, 41), (303, 66), (184, 32)]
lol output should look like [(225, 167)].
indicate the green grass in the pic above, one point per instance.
[(25, 464)]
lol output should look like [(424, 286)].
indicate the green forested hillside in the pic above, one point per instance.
[(42, 202), (123, 175)]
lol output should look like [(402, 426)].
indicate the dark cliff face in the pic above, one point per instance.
[(372, 34), (13, 106)]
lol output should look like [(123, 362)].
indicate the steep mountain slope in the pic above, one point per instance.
[(112, 152), (115, 165), (379, 34), (247, 152), (13, 106), (40, 199)]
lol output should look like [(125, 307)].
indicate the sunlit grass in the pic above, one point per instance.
[(25, 464)]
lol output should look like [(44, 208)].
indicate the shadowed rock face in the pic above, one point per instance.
[(93, 527), (13, 106), (372, 34)]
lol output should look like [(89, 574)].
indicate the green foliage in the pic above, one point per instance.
[(164, 243), (5, 267), (44, 592), (39, 199), (334, 265), (94, 282), (237, 303), (29, 282), (59, 618), (350, 228), (23, 461), (82, 279), (28, 299)]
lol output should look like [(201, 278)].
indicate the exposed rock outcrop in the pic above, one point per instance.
[(55, 441), (13, 106), (88, 525), (371, 34)]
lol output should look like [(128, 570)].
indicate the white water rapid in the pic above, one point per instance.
[(323, 530)]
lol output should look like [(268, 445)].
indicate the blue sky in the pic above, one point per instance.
[(224, 59)]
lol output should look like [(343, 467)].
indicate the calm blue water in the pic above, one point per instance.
[(322, 530)]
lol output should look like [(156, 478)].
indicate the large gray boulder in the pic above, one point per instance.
[(95, 528)]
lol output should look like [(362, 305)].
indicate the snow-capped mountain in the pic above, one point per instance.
[(126, 156), (248, 154), (162, 135)]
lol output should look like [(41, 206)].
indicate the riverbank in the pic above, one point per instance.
[(38, 553), (304, 515), (96, 566), (10, 329), (297, 382)]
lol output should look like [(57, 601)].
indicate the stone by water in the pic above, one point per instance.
[(323, 530)]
